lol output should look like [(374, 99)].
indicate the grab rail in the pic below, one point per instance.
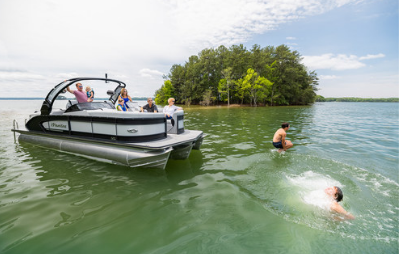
[(15, 127)]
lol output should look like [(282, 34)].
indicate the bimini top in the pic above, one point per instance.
[(61, 88)]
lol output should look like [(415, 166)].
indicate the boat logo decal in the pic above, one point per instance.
[(55, 125), (132, 130)]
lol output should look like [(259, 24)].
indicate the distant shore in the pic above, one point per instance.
[(355, 99)]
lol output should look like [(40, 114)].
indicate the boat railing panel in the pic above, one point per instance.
[(58, 112), (125, 114)]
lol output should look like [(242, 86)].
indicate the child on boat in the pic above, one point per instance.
[(90, 93), (121, 106)]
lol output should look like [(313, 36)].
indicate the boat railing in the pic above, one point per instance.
[(15, 127)]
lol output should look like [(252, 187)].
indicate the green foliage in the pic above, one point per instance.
[(164, 93), (270, 75)]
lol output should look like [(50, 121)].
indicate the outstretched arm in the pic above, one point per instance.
[(339, 209)]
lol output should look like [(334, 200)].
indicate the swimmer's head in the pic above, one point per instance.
[(285, 125), (339, 194), (335, 192)]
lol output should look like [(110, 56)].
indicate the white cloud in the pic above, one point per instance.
[(367, 57), (14, 76), (90, 38), (332, 62), (365, 85), (328, 77), (152, 74), (337, 62)]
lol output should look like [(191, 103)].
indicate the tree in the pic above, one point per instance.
[(263, 86), (164, 93), (226, 83), (255, 86)]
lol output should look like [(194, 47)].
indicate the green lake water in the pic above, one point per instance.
[(235, 195)]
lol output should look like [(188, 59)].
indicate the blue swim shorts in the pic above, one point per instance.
[(278, 144)]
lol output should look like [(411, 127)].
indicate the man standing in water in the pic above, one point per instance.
[(279, 138), (337, 195)]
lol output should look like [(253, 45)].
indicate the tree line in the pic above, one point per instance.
[(235, 75), (320, 98)]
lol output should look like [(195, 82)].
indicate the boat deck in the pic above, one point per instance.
[(189, 136), (171, 140)]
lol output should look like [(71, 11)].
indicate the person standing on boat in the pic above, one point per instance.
[(121, 106), (170, 108), (79, 93), (150, 107), (279, 138), (124, 96)]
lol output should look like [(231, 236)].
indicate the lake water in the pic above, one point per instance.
[(235, 195)]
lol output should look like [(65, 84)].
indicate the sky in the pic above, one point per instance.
[(353, 45)]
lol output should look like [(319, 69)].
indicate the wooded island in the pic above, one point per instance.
[(235, 75)]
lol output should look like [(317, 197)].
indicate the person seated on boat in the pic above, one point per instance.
[(124, 96), (121, 106), (170, 108), (90, 93), (79, 93), (150, 107)]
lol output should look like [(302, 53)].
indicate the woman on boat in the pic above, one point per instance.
[(170, 109), (121, 106), (125, 97)]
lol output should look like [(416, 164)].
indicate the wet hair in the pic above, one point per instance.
[(339, 194), (285, 125)]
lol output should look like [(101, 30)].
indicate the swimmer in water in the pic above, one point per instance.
[(337, 195), (279, 138)]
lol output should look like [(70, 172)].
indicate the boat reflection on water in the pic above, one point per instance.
[(62, 173)]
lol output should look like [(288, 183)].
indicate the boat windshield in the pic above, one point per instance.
[(89, 106), (58, 89)]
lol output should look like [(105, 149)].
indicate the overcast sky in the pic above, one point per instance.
[(353, 45)]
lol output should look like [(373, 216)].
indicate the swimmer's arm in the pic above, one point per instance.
[(339, 209)]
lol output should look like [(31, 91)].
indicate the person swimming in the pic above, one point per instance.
[(336, 194)]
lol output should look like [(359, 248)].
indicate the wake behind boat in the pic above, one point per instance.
[(97, 130)]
